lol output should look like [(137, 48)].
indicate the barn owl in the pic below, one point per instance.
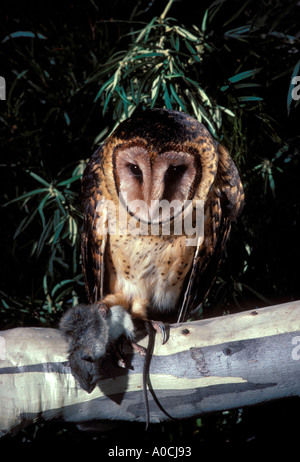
[(153, 159)]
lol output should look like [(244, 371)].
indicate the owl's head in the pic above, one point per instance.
[(160, 156)]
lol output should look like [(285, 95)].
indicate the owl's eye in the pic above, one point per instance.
[(175, 171), (136, 171)]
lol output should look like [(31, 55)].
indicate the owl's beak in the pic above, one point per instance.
[(154, 211), (164, 211), (160, 211)]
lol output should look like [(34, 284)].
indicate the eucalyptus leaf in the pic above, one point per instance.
[(68, 181), (28, 195), (243, 75), (39, 179), (177, 98), (249, 98), (167, 97), (23, 34)]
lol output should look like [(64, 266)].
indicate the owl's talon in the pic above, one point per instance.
[(160, 327)]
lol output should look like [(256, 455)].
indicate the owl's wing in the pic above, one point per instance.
[(224, 203), (94, 235)]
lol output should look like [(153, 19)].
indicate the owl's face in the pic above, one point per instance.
[(158, 160), (149, 183)]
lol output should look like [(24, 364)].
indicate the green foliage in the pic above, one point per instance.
[(164, 67), (47, 132), (156, 70), (57, 207)]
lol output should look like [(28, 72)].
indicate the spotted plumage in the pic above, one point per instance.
[(156, 275)]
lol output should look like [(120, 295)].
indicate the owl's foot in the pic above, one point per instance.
[(160, 327)]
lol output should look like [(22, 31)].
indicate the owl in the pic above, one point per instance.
[(157, 170)]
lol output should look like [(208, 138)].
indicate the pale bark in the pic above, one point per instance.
[(210, 365)]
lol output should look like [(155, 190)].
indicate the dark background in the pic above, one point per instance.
[(50, 124)]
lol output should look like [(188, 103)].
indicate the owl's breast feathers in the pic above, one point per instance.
[(149, 268)]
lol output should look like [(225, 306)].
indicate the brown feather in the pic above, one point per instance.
[(130, 270)]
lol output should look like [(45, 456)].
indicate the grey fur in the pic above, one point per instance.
[(89, 331)]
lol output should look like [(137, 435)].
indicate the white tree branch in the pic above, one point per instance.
[(209, 365)]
